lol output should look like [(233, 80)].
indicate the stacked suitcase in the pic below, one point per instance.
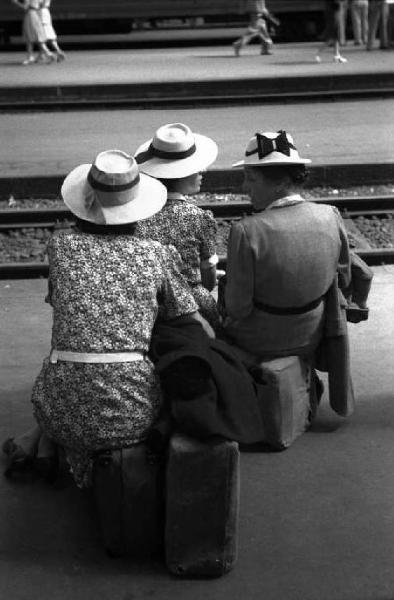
[(200, 518), (202, 506), (187, 502)]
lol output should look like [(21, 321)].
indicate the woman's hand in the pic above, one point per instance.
[(204, 323)]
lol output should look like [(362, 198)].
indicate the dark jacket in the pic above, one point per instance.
[(207, 388)]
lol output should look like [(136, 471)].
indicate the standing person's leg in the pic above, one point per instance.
[(356, 21), (251, 33), (342, 21), (242, 42), (338, 20), (266, 41), (60, 55), (384, 21), (391, 24), (364, 21), (338, 58), (373, 23), (30, 59), (45, 54)]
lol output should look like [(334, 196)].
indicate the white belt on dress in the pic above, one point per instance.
[(91, 357)]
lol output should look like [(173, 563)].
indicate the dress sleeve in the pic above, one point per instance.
[(240, 274), (175, 297), (209, 231), (344, 261)]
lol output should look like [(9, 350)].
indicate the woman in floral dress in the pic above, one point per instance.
[(98, 388), (176, 157)]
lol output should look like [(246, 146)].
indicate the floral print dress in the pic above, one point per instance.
[(192, 231), (106, 291)]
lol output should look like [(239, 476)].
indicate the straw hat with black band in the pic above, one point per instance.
[(112, 191), (175, 152)]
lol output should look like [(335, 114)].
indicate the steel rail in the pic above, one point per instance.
[(50, 217)]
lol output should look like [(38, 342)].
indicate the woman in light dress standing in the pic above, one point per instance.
[(33, 31), (50, 33)]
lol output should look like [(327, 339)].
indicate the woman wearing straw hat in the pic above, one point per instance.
[(176, 156), (290, 273), (98, 388), (283, 258)]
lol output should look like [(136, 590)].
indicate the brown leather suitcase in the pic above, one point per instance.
[(286, 399), (202, 505), (128, 487)]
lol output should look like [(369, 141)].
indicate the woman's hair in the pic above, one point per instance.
[(276, 173), (88, 227), (170, 184)]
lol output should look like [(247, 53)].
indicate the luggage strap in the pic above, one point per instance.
[(291, 310), (91, 357)]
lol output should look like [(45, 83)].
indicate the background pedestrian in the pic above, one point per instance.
[(359, 12), (259, 16), (334, 16), (378, 18), (33, 31), (50, 33)]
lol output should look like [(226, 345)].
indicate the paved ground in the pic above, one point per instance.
[(356, 132), (189, 64), (329, 132), (317, 521)]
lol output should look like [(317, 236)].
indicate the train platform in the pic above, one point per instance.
[(316, 521), (196, 74), (350, 143)]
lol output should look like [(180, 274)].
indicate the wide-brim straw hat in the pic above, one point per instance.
[(112, 191), (271, 148), (175, 152)]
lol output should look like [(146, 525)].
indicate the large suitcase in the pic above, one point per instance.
[(202, 505), (128, 487), (287, 398)]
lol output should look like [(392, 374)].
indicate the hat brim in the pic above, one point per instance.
[(150, 199), (163, 168), (275, 158)]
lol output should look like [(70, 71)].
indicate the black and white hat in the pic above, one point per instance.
[(271, 148)]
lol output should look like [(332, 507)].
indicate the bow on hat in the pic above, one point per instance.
[(267, 145)]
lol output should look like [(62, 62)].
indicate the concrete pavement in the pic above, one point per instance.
[(317, 521), (160, 65), (146, 77), (354, 132)]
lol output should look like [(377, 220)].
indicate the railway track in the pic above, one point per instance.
[(349, 206), (27, 220)]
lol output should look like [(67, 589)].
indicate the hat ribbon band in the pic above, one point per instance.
[(104, 187), (155, 152), (267, 145)]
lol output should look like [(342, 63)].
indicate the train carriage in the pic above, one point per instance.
[(122, 15)]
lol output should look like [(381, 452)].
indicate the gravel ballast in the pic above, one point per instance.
[(29, 244)]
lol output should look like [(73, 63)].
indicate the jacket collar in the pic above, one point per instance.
[(286, 201)]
